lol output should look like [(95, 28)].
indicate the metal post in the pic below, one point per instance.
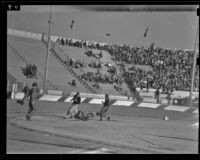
[(13, 91), (194, 66), (8, 86), (148, 37), (47, 55), (73, 32)]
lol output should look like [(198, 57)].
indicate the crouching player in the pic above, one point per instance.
[(74, 107), (80, 115), (105, 108)]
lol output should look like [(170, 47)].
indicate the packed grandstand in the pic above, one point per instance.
[(122, 67), (169, 69)]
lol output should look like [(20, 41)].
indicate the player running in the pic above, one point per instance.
[(33, 93), (74, 107), (105, 108)]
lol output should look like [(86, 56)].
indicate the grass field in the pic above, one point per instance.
[(131, 130)]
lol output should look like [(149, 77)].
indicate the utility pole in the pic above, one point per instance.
[(73, 29), (148, 38), (47, 55), (194, 65)]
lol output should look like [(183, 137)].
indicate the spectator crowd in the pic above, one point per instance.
[(170, 68)]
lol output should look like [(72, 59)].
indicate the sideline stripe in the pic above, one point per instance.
[(97, 101), (92, 152), (19, 95), (70, 98), (148, 105), (101, 150), (122, 103), (177, 108), (196, 125), (50, 98), (196, 111)]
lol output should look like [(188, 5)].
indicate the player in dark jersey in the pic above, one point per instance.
[(74, 107), (25, 89), (33, 94), (80, 115), (105, 108)]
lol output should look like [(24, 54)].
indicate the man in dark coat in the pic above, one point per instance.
[(33, 94), (105, 108), (157, 95)]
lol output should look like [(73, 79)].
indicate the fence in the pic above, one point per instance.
[(24, 34)]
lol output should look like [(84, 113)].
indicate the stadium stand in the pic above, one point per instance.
[(67, 67), (171, 68), (28, 50), (140, 68), (14, 51)]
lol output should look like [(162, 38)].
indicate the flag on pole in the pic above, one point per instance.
[(145, 33), (72, 23), (108, 34)]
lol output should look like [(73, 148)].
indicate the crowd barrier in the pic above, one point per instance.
[(100, 96), (53, 92)]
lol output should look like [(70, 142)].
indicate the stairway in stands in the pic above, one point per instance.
[(66, 65), (14, 51), (125, 89)]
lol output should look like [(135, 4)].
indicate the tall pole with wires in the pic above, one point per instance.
[(147, 36), (72, 28), (194, 65), (47, 55)]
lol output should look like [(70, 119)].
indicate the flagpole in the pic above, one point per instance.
[(109, 39), (148, 37), (73, 31), (47, 55), (194, 65)]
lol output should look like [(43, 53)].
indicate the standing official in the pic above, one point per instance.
[(105, 108), (33, 93), (157, 95)]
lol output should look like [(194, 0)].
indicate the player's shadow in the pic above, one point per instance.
[(112, 120)]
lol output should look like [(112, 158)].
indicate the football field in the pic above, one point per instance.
[(131, 130)]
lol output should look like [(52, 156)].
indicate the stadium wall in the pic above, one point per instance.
[(24, 34)]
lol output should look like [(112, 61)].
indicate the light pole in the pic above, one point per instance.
[(47, 55), (194, 65)]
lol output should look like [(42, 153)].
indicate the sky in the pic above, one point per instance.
[(166, 29)]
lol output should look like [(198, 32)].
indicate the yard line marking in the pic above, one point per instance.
[(50, 98), (68, 99), (81, 151), (148, 105), (196, 111), (176, 108), (195, 125), (19, 95), (122, 103), (97, 101), (101, 150)]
